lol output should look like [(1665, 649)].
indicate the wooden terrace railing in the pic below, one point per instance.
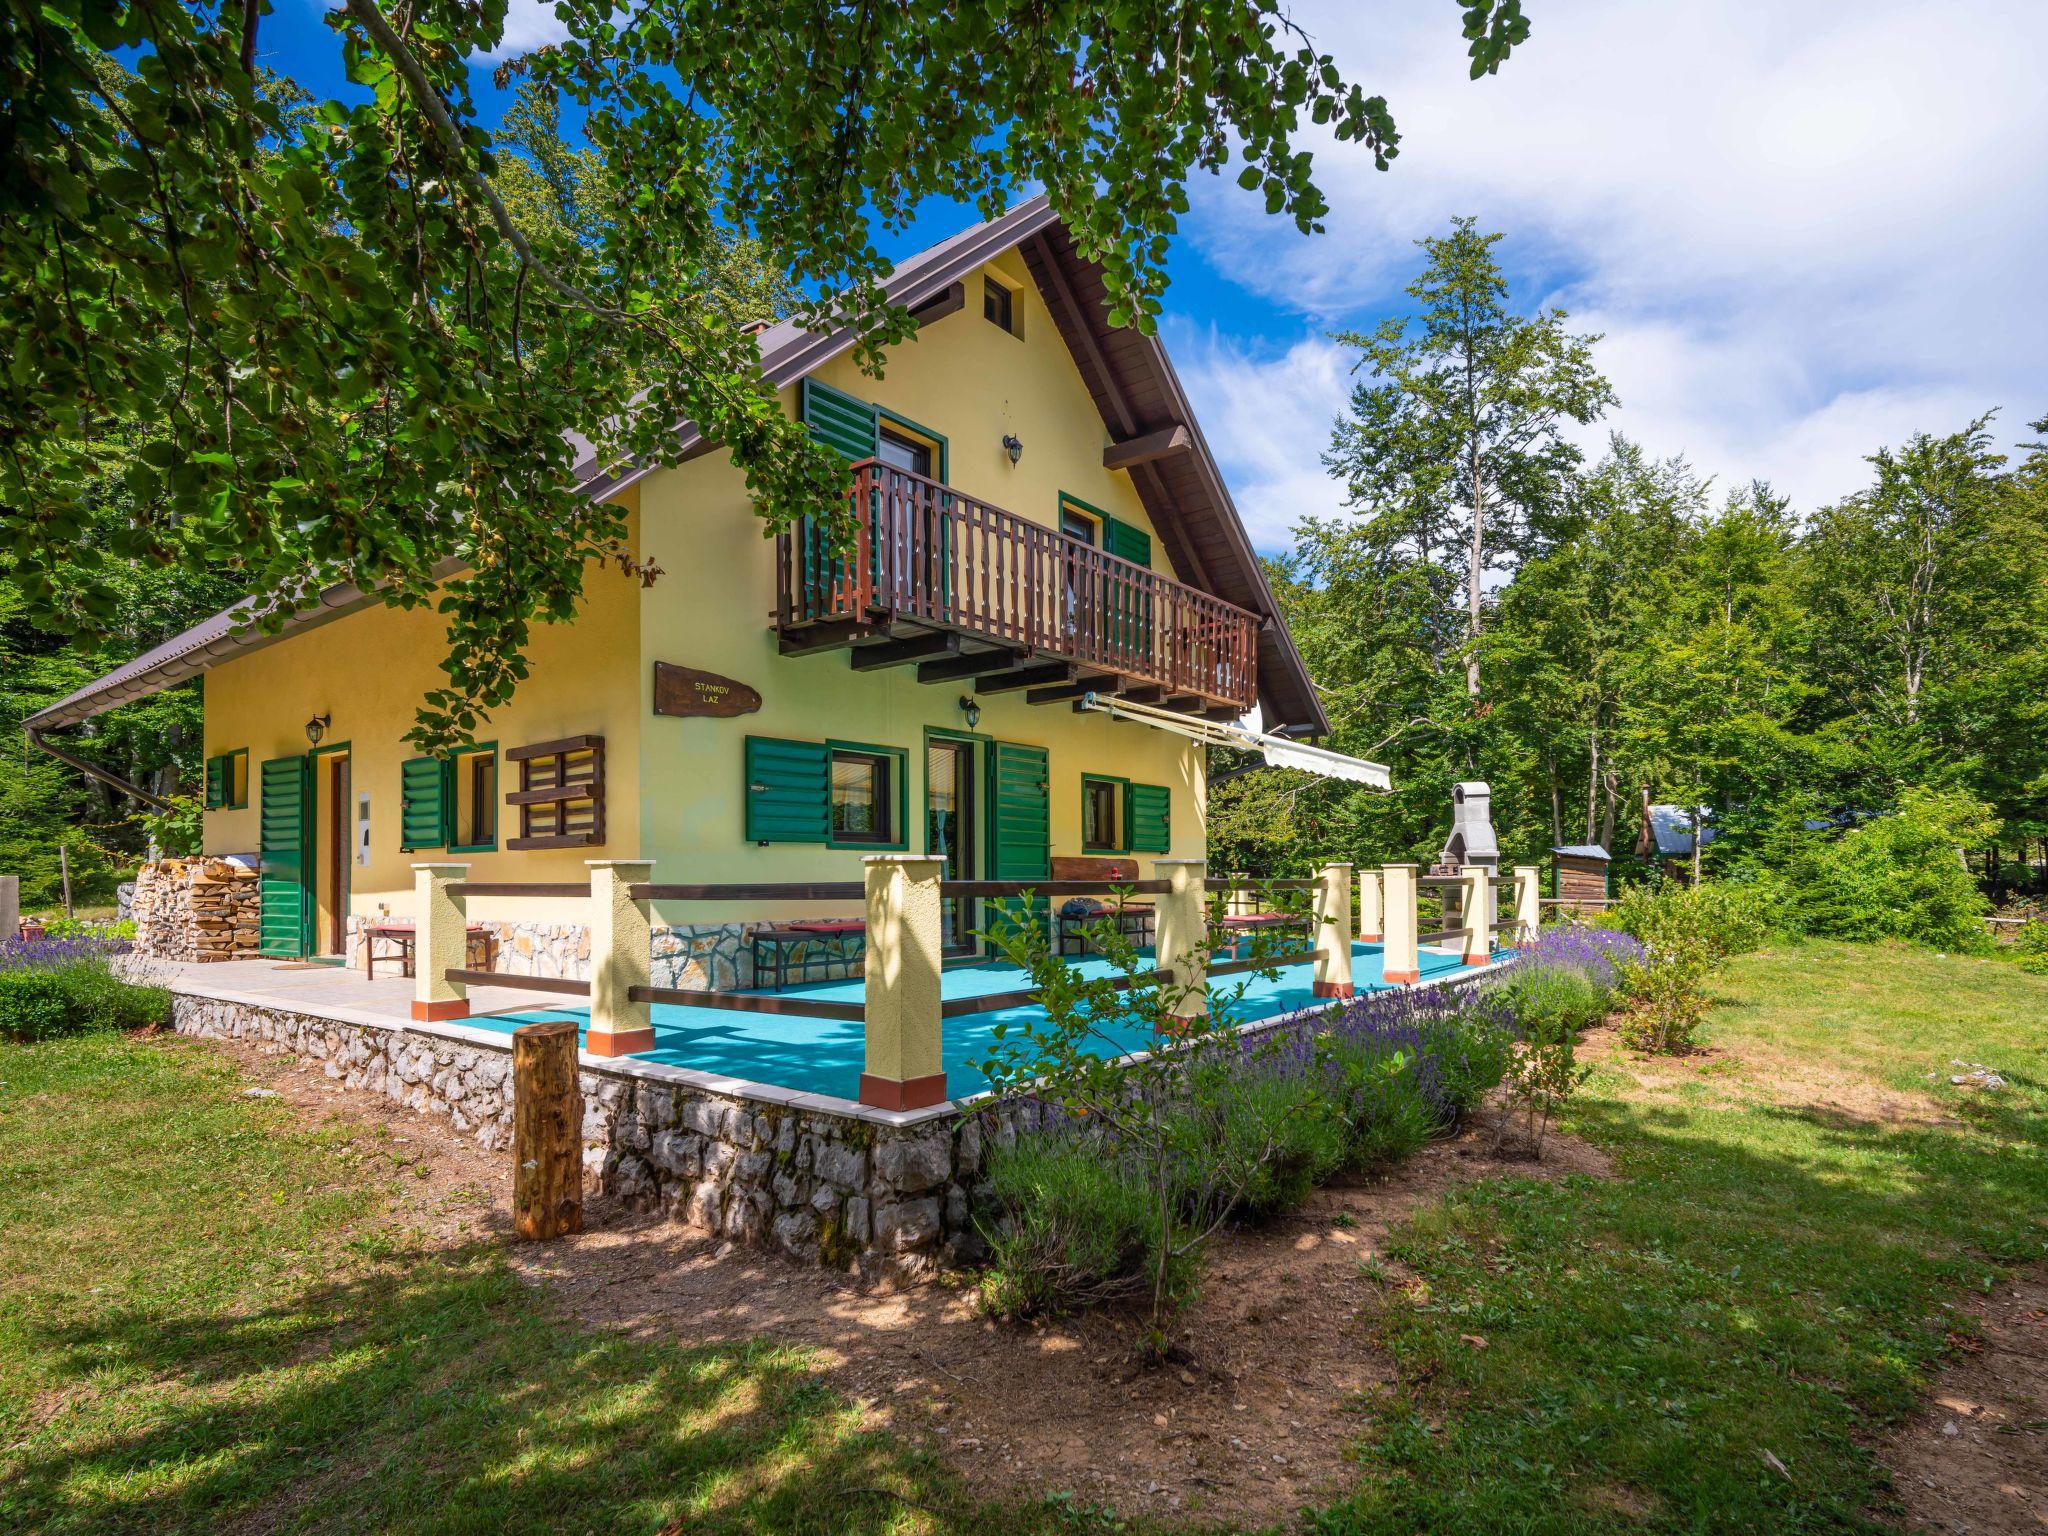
[(926, 553)]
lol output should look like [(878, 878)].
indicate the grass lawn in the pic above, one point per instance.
[(1771, 1274), (213, 1318)]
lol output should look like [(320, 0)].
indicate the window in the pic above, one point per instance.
[(844, 794), (227, 780), (863, 799), (1101, 830), (1076, 524), (998, 304), (901, 451), (474, 775)]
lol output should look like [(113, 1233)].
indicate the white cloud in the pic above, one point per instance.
[(528, 25), (1267, 418), (1804, 230)]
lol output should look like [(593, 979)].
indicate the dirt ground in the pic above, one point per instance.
[(1975, 1458), (1250, 1427)]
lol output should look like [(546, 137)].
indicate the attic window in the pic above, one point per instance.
[(998, 305)]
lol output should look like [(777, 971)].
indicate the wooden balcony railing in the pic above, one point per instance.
[(925, 553)]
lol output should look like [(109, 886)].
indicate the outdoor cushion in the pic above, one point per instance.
[(829, 925)]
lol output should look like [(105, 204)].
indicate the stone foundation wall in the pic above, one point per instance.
[(694, 957), (838, 1190)]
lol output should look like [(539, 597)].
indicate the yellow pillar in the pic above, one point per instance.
[(621, 958), (1478, 904), (440, 942), (904, 1068), (1333, 931), (1369, 905), (1528, 902), (1399, 957), (1183, 941)]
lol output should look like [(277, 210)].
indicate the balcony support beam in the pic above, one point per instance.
[(1060, 693), (953, 669), (833, 635), (896, 653), (1026, 677)]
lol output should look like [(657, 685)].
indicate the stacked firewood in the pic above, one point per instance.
[(196, 909)]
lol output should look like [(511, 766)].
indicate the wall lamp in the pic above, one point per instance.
[(317, 727), (1013, 445), (970, 710)]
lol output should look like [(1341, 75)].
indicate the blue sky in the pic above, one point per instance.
[(1803, 231)]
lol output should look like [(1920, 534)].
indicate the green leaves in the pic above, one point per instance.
[(361, 335)]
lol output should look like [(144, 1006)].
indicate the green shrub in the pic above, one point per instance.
[(89, 928), (1542, 1075), (34, 1005), (1722, 917), (1471, 1044), (1901, 876), (1667, 1000), (99, 999), (43, 1002), (2030, 947), (1074, 1228), (1385, 1107), (1268, 1137), (1550, 998)]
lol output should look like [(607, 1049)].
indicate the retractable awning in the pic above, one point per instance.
[(1278, 750)]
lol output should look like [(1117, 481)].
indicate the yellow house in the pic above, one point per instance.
[(1041, 521)]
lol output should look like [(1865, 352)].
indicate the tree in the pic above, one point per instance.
[(1453, 448), (360, 363)]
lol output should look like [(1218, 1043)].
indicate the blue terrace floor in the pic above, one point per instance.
[(814, 1055)]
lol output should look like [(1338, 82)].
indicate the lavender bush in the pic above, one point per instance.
[(49, 954), (1599, 952), (52, 987)]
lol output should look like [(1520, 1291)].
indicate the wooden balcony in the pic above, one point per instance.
[(968, 590)]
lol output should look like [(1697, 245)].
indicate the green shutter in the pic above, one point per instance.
[(423, 804), (1148, 818), (1126, 542), (1130, 618), (219, 771), (853, 427), (839, 420), (789, 791), (285, 841), (1021, 813)]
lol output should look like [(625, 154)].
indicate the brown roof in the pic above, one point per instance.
[(1128, 374)]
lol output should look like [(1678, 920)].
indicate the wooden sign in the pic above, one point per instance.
[(688, 692)]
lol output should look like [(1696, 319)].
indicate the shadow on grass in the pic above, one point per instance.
[(442, 1394)]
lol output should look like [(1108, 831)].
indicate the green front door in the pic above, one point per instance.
[(286, 848)]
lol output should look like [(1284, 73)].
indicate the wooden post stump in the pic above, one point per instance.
[(547, 1131)]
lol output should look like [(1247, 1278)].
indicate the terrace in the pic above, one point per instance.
[(906, 1036)]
